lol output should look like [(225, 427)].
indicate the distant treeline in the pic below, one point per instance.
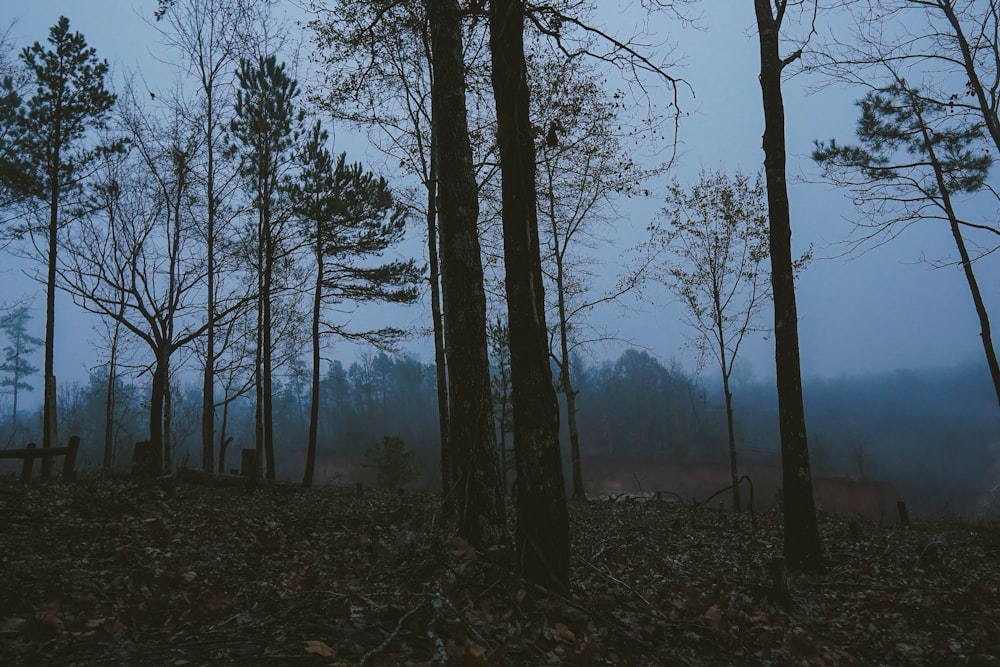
[(933, 433)]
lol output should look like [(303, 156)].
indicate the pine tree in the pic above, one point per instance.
[(69, 101)]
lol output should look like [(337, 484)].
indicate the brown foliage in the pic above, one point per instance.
[(115, 572)]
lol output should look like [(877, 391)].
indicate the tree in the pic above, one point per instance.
[(210, 35), (52, 125), (499, 335), (265, 130), (583, 165), (132, 258), (542, 538), (349, 217), (476, 478), (915, 159), (394, 464), (802, 547), (711, 252), (379, 79), (15, 364)]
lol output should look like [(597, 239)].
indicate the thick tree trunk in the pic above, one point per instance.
[(542, 518), (168, 450), (157, 393), (803, 550), (477, 482), (307, 479)]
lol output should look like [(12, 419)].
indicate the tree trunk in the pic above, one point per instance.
[(109, 410), (267, 387), (986, 332), (223, 442), (803, 550), (542, 518), (564, 367), (208, 379), (440, 358), (168, 449), (157, 392), (478, 494), (307, 480), (733, 468), (49, 434)]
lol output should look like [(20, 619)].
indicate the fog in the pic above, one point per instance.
[(932, 432)]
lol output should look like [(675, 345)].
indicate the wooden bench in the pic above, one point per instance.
[(31, 452)]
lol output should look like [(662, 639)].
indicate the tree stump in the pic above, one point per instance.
[(904, 514), (248, 463), (144, 463)]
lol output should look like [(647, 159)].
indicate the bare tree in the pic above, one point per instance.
[(210, 36), (803, 549), (50, 140), (584, 164), (144, 270), (711, 252)]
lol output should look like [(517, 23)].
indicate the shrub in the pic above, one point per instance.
[(394, 464)]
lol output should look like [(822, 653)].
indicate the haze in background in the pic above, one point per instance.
[(885, 310)]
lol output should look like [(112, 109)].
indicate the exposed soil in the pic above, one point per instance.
[(109, 572)]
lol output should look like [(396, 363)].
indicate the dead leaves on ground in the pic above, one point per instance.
[(112, 572)]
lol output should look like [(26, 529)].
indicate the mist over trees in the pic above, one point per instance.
[(929, 432)]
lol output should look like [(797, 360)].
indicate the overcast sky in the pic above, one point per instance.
[(884, 310)]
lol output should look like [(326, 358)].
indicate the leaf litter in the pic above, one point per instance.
[(110, 571)]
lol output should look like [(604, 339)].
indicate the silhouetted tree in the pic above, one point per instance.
[(542, 539), (476, 479), (265, 130), (210, 36), (52, 125), (349, 217), (15, 364), (803, 549), (915, 158), (710, 252)]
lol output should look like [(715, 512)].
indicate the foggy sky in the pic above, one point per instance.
[(882, 311)]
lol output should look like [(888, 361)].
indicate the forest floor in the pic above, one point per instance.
[(114, 572)]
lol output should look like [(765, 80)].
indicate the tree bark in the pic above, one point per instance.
[(440, 356), (802, 548), (157, 393), (307, 480), (109, 408), (985, 330), (542, 543), (208, 378), (49, 433), (579, 493), (478, 490)]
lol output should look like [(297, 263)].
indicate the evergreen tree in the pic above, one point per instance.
[(265, 129), (15, 362), (51, 128), (349, 216)]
